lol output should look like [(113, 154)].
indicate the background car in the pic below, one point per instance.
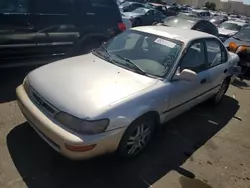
[(240, 38), (204, 14), (229, 28), (139, 80), (144, 16), (187, 15), (39, 28), (172, 10), (162, 8), (128, 6), (185, 22), (217, 20), (126, 21)]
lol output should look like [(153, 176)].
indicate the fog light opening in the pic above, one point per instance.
[(80, 148)]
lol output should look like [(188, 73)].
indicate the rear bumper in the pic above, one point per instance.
[(58, 136)]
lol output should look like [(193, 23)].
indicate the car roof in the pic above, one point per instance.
[(174, 33), (236, 22)]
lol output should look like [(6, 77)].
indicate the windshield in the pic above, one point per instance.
[(179, 22), (140, 10), (230, 26), (149, 53), (243, 34)]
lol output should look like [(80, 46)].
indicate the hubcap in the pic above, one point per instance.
[(138, 139)]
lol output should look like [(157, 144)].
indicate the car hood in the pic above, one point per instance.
[(236, 41), (85, 84), (132, 14), (226, 32)]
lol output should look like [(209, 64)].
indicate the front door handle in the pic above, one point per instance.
[(204, 80)]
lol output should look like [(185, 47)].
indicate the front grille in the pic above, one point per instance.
[(42, 104)]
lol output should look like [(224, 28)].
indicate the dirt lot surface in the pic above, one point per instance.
[(203, 148)]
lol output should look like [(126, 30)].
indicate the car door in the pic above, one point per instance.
[(158, 16), (186, 94), (16, 29), (149, 17), (217, 59), (55, 25)]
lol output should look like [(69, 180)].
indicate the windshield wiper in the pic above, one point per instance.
[(108, 54), (138, 69)]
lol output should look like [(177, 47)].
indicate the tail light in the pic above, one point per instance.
[(122, 26)]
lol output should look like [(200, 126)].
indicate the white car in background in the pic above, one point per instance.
[(114, 98), (229, 28), (126, 21)]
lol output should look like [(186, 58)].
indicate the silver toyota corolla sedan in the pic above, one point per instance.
[(113, 98)]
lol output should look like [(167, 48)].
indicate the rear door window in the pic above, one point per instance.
[(216, 55)]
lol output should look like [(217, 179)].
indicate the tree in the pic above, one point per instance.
[(207, 4), (210, 6)]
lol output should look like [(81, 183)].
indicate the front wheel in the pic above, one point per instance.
[(136, 137)]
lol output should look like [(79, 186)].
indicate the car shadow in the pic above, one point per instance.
[(40, 166)]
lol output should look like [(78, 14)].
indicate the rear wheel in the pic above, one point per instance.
[(222, 91), (137, 137)]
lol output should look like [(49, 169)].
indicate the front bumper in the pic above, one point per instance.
[(58, 136)]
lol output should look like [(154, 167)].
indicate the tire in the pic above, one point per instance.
[(222, 91), (137, 136)]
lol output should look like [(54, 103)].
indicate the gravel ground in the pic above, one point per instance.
[(203, 148)]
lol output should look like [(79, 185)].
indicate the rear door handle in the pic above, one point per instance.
[(225, 71), (204, 80)]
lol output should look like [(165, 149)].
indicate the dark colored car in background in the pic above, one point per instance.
[(172, 11), (144, 16), (38, 28), (191, 23), (128, 6)]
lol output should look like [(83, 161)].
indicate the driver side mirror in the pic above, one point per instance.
[(185, 74)]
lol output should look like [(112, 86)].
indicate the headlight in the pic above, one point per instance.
[(26, 84), (82, 126)]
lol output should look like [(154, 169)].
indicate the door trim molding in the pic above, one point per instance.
[(190, 99)]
